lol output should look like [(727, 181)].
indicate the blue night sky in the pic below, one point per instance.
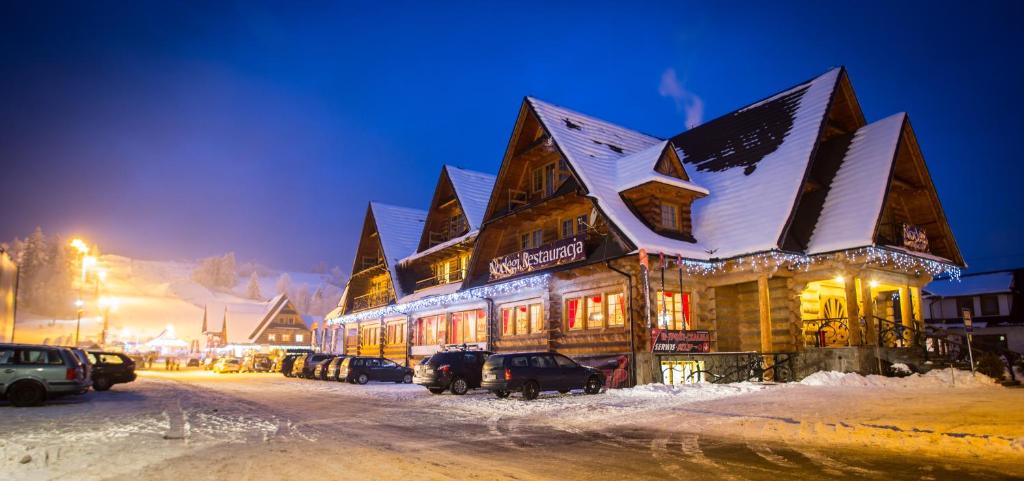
[(181, 130)]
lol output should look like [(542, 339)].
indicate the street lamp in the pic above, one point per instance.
[(78, 324), (107, 303)]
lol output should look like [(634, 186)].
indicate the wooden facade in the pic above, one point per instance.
[(602, 304)]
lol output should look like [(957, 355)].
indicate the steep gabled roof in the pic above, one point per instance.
[(593, 149), (856, 195), (754, 162), (473, 189), (398, 229), (274, 307)]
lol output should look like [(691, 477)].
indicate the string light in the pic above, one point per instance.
[(763, 260)]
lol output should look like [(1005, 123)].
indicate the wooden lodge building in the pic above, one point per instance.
[(790, 232)]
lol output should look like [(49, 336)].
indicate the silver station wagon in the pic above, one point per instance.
[(31, 374)]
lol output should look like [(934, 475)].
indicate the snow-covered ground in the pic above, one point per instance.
[(152, 295), (826, 423)]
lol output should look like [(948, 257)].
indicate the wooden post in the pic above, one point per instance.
[(764, 313), (853, 311), (868, 311), (906, 313)]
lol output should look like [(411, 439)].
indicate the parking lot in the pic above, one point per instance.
[(266, 426)]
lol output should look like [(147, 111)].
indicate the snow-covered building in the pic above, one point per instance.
[(992, 298), (763, 234), (281, 326)]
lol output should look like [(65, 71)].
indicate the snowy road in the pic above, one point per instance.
[(198, 425)]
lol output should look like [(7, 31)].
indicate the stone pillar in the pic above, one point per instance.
[(868, 312), (853, 311)]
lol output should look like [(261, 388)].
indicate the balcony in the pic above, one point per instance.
[(450, 231), (372, 300), (453, 276)]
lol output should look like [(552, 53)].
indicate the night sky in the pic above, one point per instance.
[(169, 130)]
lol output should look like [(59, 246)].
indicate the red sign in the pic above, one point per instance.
[(666, 341)]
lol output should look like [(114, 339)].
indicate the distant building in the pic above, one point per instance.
[(281, 327), (992, 298), (216, 339), (8, 293)]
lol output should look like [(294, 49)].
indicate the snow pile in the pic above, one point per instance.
[(940, 378)]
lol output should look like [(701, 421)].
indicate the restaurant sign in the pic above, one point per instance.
[(666, 341), (562, 251), (915, 238)]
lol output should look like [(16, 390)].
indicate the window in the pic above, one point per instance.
[(990, 305), (536, 318), (7, 356), (963, 303), (616, 310), (543, 179), (574, 313), (38, 356), (430, 330), (566, 228), (549, 179), (673, 310), (388, 363), (481, 326), (457, 329), (669, 217), (538, 238), (541, 361), (272, 337), (524, 241), (538, 180), (595, 311), (508, 327), (522, 320), (468, 326), (519, 361), (111, 359), (372, 363)]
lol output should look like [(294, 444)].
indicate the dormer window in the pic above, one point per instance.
[(669, 216), (543, 180)]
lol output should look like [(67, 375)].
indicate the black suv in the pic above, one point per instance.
[(288, 362), (457, 370), (533, 372), (109, 368), (362, 370)]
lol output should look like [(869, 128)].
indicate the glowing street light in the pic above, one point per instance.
[(80, 246)]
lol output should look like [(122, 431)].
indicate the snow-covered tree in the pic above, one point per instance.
[(301, 297), (284, 283), (226, 275), (253, 289)]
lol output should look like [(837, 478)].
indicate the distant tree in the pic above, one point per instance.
[(253, 289), (227, 277), (32, 262), (320, 268), (337, 276), (216, 273), (284, 283), (301, 297)]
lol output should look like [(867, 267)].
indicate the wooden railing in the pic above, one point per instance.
[(453, 276), (371, 300)]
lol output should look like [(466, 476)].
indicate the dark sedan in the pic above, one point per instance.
[(109, 368), (361, 370)]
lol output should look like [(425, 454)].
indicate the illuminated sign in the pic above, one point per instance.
[(665, 341), (562, 251)]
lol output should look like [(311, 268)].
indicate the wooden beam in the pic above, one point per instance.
[(906, 314), (764, 313), (853, 311), (868, 311)]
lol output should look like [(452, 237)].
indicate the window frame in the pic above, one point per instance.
[(674, 214), (990, 297)]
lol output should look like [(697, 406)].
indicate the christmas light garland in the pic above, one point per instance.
[(505, 288), (762, 260)]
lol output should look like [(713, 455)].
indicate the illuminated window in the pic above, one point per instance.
[(457, 328), (595, 311), (284, 337), (536, 318), (271, 337), (508, 326), (673, 310), (522, 320), (574, 313), (298, 337), (616, 310), (481, 326)]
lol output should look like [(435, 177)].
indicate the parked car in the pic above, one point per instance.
[(110, 368), (308, 364), (227, 364), (288, 364), (456, 370), (334, 368), (361, 370), (320, 368), (256, 363), (86, 363), (30, 374), (534, 372), (192, 363)]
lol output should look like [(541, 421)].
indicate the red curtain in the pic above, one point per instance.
[(573, 305), (686, 309)]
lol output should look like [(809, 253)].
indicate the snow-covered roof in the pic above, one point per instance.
[(972, 285), (437, 290), (594, 148), (638, 169), (440, 247), (857, 192), (274, 307), (473, 190), (399, 230), (753, 162)]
